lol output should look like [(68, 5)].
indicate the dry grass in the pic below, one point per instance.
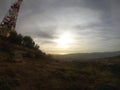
[(53, 75)]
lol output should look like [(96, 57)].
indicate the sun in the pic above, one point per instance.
[(64, 40)]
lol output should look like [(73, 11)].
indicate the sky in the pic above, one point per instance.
[(69, 26)]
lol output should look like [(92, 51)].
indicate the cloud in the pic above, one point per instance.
[(92, 21)]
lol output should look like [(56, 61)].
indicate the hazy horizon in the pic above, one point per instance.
[(69, 26)]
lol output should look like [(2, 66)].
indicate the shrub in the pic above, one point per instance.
[(28, 42)]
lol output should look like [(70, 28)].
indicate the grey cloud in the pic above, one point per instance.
[(44, 19), (46, 41), (40, 33), (44, 34)]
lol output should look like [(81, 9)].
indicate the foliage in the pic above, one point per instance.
[(25, 44), (15, 38), (26, 41)]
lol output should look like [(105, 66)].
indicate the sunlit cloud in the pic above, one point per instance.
[(69, 26)]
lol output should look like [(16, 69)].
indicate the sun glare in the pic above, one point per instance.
[(64, 40)]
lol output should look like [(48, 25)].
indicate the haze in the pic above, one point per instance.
[(69, 26)]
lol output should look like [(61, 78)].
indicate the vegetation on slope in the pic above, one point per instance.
[(53, 75), (38, 71), (17, 47)]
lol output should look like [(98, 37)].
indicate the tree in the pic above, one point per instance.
[(15, 38), (36, 47), (28, 42)]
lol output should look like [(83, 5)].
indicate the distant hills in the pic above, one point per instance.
[(80, 56)]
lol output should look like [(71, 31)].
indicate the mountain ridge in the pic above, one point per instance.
[(92, 55)]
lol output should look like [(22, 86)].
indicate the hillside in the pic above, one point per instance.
[(86, 56), (23, 68), (13, 49), (54, 75)]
